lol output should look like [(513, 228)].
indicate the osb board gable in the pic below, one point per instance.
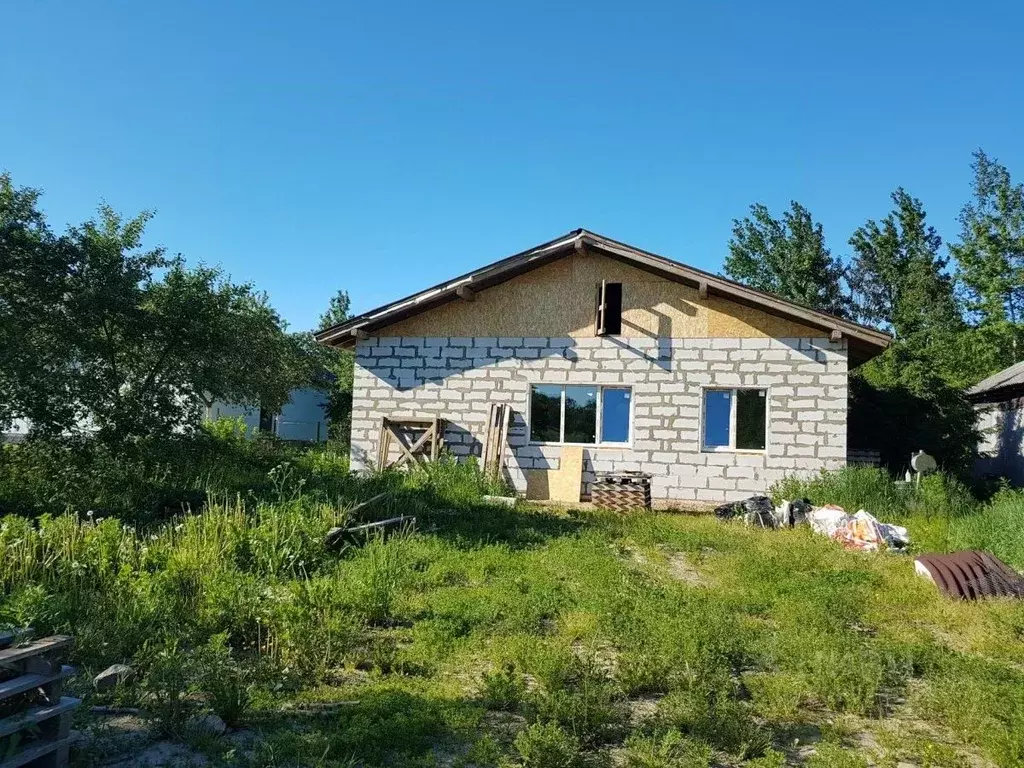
[(557, 300)]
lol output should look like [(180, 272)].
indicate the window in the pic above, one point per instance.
[(608, 316), (735, 419), (587, 415)]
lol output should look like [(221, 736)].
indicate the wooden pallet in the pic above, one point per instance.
[(412, 450), (34, 674)]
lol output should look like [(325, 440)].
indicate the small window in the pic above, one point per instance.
[(570, 414), (609, 309), (735, 419)]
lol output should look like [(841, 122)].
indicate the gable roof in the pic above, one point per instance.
[(1008, 383), (864, 342)]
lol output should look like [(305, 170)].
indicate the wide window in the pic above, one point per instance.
[(735, 419), (579, 414)]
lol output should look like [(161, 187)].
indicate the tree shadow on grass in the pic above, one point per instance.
[(455, 511)]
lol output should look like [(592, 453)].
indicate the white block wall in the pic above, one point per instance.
[(458, 378)]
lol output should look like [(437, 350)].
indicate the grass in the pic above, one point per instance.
[(492, 636)]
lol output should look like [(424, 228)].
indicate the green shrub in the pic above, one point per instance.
[(503, 688), (580, 697), (226, 429), (167, 683), (666, 749), (547, 745), (710, 711), (226, 683)]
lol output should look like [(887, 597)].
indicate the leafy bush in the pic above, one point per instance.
[(226, 683), (504, 688), (710, 711), (666, 749), (167, 682), (580, 697), (547, 745)]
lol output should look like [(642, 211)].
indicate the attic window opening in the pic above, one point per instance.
[(608, 320)]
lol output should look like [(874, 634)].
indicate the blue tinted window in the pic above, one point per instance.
[(717, 407), (615, 415)]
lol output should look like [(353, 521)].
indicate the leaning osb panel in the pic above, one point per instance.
[(557, 300)]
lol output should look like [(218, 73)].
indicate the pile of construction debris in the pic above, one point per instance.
[(961, 575), (861, 531)]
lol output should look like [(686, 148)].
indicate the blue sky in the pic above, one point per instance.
[(383, 147)]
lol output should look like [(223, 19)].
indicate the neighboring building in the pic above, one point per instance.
[(303, 417), (716, 389), (16, 432), (999, 401)]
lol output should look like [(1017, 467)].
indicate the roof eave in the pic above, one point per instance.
[(864, 342)]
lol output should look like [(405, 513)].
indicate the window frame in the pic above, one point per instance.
[(733, 405), (598, 427)]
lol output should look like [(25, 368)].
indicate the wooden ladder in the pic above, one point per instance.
[(44, 719)]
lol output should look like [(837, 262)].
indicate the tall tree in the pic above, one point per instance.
[(899, 277), (95, 327), (990, 265), (341, 363), (337, 310), (787, 257), (911, 397)]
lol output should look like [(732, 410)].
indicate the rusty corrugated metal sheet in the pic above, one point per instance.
[(972, 575)]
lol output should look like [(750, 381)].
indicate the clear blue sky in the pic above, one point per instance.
[(382, 147)]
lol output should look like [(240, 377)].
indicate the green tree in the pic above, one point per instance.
[(910, 397), (899, 277), (129, 339), (337, 310), (990, 266), (33, 278), (341, 363), (787, 257)]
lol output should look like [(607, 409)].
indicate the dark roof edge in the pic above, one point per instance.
[(504, 269)]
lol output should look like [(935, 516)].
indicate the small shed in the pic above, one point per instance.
[(999, 401)]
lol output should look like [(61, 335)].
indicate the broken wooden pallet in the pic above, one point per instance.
[(35, 685)]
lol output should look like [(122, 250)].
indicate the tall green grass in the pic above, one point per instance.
[(496, 636)]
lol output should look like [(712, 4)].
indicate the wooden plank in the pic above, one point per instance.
[(36, 715), (23, 683), (337, 536), (11, 636), (485, 455), (503, 440), (34, 752), (383, 444), (35, 648)]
